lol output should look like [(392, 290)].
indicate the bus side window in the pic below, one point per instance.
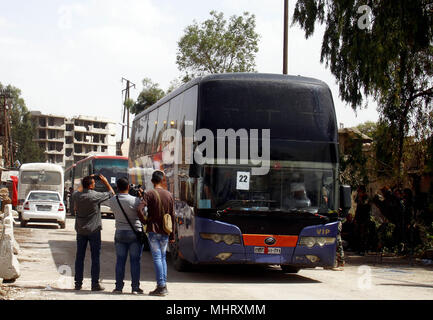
[(140, 149), (79, 171), (85, 171), (151, 130), (162, 125)]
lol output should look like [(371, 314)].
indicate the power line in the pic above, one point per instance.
[(286, 36), (6, 126), (129, 85)]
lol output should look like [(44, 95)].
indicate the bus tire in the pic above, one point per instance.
[(179, 263), (289, 269), (146, 246)]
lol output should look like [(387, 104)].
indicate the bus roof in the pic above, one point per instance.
[(240, 76), (41, 166), (102, 157)]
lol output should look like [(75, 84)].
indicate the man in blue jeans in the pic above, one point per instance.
[(88, 225), (125, 238), (159, 201)]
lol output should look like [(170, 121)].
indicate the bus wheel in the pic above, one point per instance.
[(179, 264), (146, 245), (289, 269)]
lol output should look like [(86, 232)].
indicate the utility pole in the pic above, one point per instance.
[(7, 137), (286, 36), (129, 84)]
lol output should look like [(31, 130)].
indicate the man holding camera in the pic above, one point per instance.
[(88, 225)]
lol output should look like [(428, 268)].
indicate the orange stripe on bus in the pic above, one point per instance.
[(259, 240)]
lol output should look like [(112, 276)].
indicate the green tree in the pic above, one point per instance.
[(368, 128), (353, 165), (218, 46), (389, 58), (150, 94), (23, 129)]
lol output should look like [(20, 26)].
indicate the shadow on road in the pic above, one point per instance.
[(63, 253), (419, 285), (35, 225)]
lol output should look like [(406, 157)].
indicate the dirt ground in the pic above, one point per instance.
[(47, 267)]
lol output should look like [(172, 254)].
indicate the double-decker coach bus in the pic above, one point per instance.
[(224, 212), (112, 167)]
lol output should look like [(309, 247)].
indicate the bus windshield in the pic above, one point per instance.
[(292, 112), (45, 178), (111, 166), (282, 189), (112, 169)]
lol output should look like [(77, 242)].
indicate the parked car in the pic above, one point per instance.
[(43, 206)]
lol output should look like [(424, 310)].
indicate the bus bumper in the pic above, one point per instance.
[(253, 249)]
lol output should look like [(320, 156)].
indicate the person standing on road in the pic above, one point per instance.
[(70, 204), (362, 220), (125, 238), (159, 201), (88, 225)]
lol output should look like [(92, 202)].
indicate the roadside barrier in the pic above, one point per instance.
[(9, 248)]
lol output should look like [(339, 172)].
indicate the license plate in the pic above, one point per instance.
[(43, 208), (274, 250), (269, 251), (259, 249)]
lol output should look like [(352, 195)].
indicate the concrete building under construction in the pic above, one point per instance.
[(68, 140)]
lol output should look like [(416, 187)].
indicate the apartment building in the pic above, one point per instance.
[(68, 140)]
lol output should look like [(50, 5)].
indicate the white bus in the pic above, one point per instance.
[(39, 176)]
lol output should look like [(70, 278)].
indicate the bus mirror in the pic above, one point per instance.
[(345, 198), (194, 170)]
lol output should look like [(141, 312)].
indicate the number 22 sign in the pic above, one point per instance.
[(243, 180)]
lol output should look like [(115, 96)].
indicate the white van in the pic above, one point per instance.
[(39, 176)]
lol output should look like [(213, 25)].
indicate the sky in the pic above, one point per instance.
[(68, 56)]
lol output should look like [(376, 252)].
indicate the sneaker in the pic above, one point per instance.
[(117, 291), (159, 291), (137, 291), (9, 280), (97, 287)]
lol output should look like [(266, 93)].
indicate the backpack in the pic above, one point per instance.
[(167, 223)]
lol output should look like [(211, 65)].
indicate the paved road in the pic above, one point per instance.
[(46, 250)]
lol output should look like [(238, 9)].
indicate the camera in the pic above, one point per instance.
[(135, 191)]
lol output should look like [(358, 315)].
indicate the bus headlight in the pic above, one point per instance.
[(307, 242), (231, 239), (310, 242), (228, 239)]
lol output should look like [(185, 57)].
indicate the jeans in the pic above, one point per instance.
[(95, 249), (126, 240), (158, 246)]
